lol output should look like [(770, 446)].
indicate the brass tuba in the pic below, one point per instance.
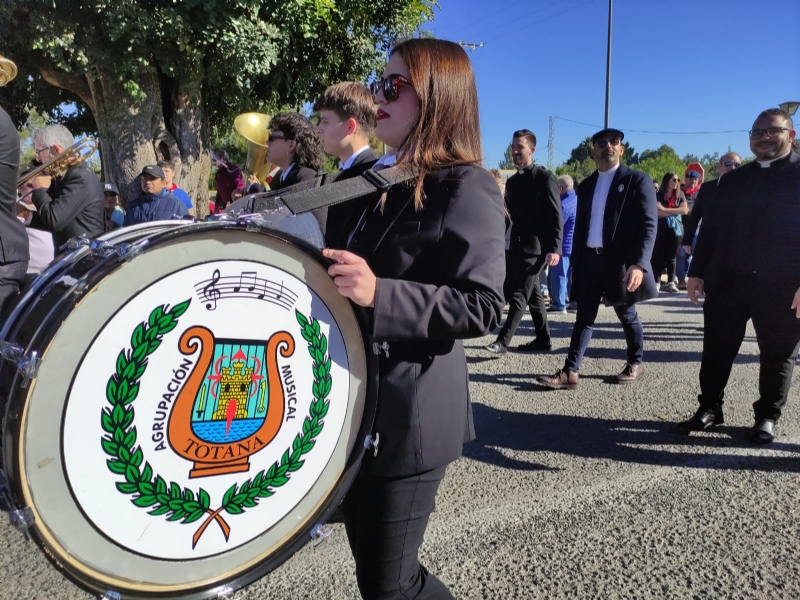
[(253, 127), (58, 165), (8, 70)]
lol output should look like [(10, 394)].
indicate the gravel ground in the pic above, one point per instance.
[(585, 494)]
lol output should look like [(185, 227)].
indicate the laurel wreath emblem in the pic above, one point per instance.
[(149, 489)]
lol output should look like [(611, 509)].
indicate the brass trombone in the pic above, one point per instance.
[(58, 165)]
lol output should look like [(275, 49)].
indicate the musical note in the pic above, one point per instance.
[(211, 293), (246, 275), (280, 294)]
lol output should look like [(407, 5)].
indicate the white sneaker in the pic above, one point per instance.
[(672, 287)]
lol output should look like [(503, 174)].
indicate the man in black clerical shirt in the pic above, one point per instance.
[(534, 204), (747, 264)]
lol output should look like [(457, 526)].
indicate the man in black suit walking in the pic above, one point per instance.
[(534, 204), (615, 230), (13, 239), (347, 118), (747, 263)]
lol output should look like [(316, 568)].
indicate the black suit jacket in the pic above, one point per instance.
[(440, 277), (534, 204), (71, 206), (296, 175), (629, 234), (13, 238), (752, 228), (343, 218)]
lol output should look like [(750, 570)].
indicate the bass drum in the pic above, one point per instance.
[(199, 406)]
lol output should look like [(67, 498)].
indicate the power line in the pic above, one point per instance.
[(517, 18), (478, 23), (527, 26), (625, 129)]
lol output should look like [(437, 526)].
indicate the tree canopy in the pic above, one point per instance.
[(164, 74)]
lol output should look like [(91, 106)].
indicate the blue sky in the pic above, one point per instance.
[(677, 66)]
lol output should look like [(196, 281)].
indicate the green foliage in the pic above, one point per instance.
[(658, 163), (232, 55), (507, 162)]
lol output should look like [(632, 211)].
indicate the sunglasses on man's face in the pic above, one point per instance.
[(390, 86), (731, 163), (611, 142), (272, 137)]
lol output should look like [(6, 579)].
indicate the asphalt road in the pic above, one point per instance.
[(584, 494)]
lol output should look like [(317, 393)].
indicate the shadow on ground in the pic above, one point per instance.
[(619, 440)]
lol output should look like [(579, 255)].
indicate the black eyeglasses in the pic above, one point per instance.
[(770, 131), (675, 179), (604, 143), (731, 163), (272, 137), (390, 86)]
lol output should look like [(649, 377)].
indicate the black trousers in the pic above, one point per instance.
[(665, 254), (526, 291), (726, 312), (385, 519), (11, 276)]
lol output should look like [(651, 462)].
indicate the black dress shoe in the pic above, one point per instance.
[(703, 419), (496, 348), (763, 432), (535, 346)]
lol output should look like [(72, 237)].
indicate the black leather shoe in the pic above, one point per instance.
[(703, 419), (535, 346), (763, 432), (496, 348)]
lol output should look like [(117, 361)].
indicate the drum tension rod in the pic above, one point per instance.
[(20, 518), (320, 533), (27, 366), (105, 249)]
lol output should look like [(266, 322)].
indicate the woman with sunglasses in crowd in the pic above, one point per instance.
[(672, 206), (427, 259)]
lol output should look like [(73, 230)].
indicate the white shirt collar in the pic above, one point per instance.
[(349, 162), (765, 164), (387, 160), (286, 172), (609, 173)]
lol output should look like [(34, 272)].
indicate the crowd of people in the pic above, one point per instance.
[(435, 259)]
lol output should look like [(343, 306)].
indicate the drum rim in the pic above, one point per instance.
[(257, 570)]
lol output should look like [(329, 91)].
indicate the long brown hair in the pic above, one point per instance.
[(661, 194), (448, 130)]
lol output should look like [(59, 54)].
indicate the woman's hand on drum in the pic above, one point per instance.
[(352, 276)]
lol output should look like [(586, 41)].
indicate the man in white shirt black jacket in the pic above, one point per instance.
[(615, 230)]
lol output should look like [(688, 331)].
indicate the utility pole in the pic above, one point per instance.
[(551, 143), (608, 65)]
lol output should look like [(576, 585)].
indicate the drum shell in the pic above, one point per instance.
[(36, 326)]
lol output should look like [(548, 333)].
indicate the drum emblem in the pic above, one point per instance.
[(229, 403)]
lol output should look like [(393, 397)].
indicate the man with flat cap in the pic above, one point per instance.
[(615, 230), (155, 203)]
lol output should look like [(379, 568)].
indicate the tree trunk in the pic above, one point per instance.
[(168, 123)]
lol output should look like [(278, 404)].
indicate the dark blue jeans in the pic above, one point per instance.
[(592, 271), (11, 275)]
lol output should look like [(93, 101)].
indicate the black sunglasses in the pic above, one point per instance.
[(272, 137), (390, 86), (604, 143), (730, 163)]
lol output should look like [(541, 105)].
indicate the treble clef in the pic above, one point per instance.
[(211, 293)]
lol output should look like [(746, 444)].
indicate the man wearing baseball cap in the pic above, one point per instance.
[(155, 203), (612, 246)]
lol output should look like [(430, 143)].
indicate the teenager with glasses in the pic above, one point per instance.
[(427, 260), (671, 207), (705, 196), (747, 263), (612, 246)]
